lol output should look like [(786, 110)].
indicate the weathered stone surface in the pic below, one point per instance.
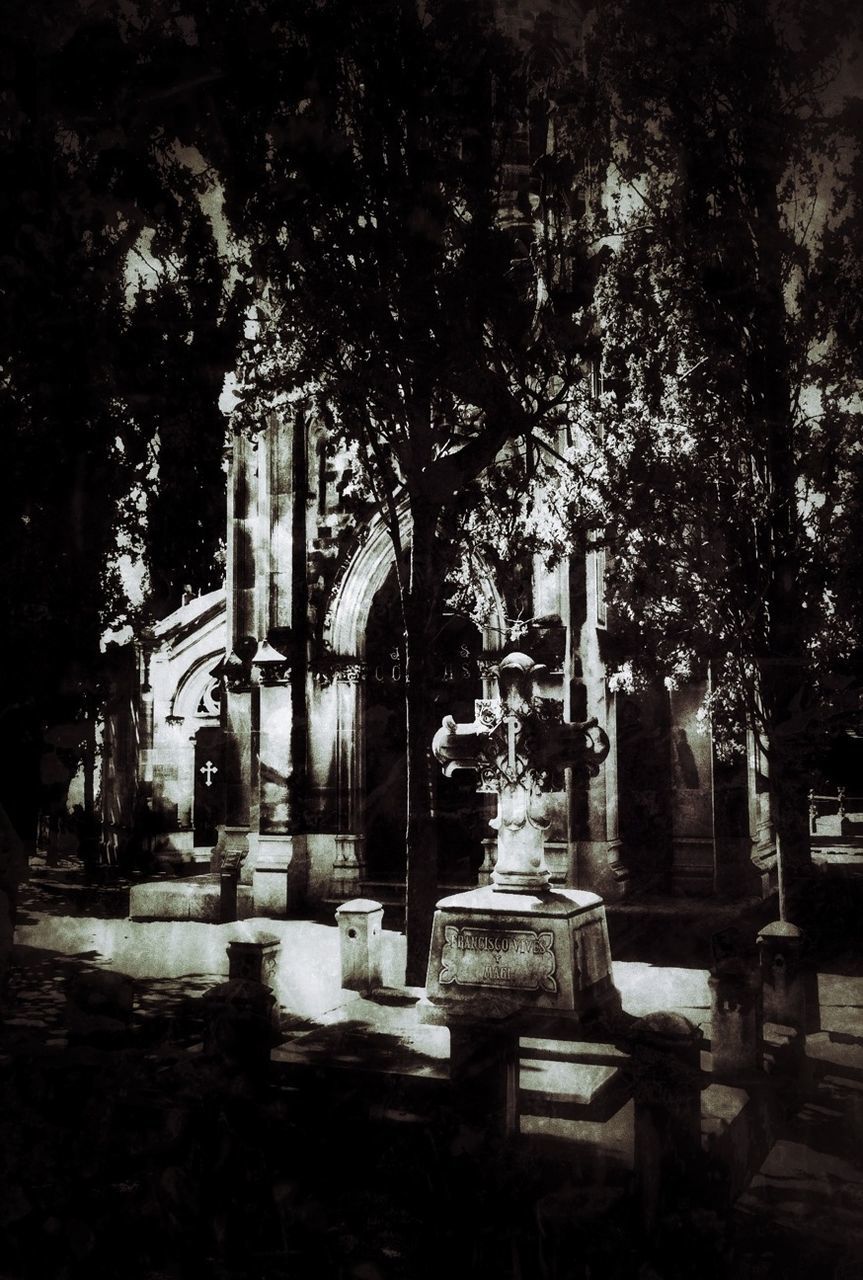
[(255, 959), (786, 978), (493, 954), (360, 943), (735, 1021), (197, 899)]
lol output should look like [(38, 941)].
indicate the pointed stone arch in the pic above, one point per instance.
[(342, 702), (351, 598)]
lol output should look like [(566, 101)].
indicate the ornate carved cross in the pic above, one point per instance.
[(209, 770), (519, 745)]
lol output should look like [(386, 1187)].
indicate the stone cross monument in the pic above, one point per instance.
[(519, 746), (518, 945)]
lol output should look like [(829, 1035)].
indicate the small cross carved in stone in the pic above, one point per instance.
[(209, 770)]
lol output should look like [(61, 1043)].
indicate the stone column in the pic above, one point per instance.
[(185, 758), (237, 718), (233, 842), (146, 725), (595, 861), (242, 525), (279, 859), (348, 866)]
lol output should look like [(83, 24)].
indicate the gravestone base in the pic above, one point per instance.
[(519, 956)]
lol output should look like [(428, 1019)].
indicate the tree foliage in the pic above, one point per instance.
[(720, 461), (95, 381)]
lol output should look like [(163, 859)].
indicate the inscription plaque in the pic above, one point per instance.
[(520, 959)]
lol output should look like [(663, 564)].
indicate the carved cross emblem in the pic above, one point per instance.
[(209, 770)]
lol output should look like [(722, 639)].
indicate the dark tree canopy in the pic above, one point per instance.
[(94, 383)]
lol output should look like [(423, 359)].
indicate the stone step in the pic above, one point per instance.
[(579, 1051), (570, 1090), (829, 1054)]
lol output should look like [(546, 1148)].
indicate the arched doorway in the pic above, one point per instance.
[(460, 814)]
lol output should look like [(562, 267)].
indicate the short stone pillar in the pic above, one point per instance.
[(360, 944), (787, 983), (735, 1020), (254, 960), (667, 1081)]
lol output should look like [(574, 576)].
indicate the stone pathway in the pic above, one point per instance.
[(35, 1017)]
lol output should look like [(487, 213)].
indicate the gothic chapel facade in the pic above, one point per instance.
[(265, 724)]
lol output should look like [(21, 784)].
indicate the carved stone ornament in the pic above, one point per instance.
[(237, 667), (333, 667), (519, 745), (238, 681), (272, 666), (488, 667)]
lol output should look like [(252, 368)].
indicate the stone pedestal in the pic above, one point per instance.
[(254, 960), (789, 986), (275, 872), (736, 1022), (360, 927), (494, 954)]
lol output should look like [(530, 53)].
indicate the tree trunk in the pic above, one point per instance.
[(421, 845), (784, 666)]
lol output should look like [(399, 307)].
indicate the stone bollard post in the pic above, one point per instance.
[(666, 1073), (789, 986), (736, 1021), (360, 944), (254, 960)]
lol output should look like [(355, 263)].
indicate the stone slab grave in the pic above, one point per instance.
[(197, 898)]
